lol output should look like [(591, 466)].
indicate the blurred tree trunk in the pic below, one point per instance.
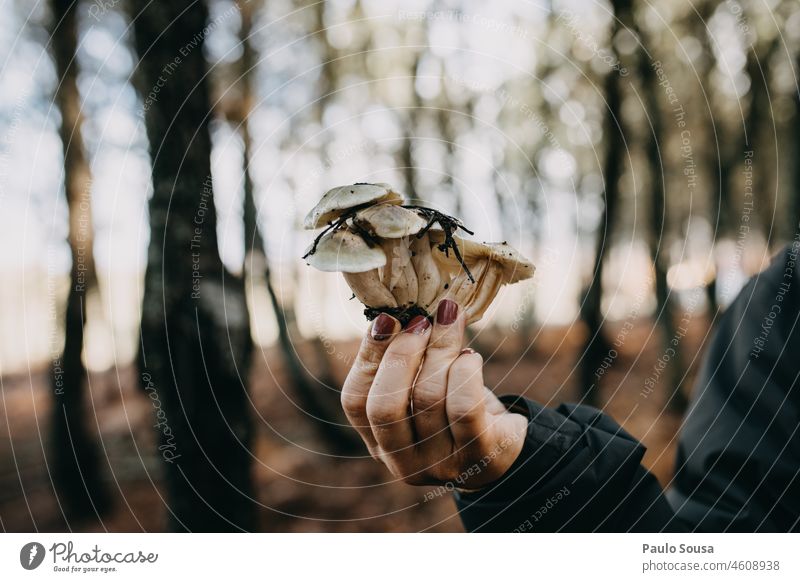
[(597, 347), (406, 152), (326, 84), (764, 197), (718, 158), (318, 398), (196, 345), (448, 131), (528, 326), (657, 234), (444, 121), (75, 461)]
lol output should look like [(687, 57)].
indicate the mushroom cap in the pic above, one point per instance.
[(389, 221), (471, 251), (342, 198), (345, 251), (514, 267)]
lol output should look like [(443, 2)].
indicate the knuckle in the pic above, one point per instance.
[(369, 357), (435, 370), (353, 403), (379, 455), (415, 473), (429, 398), (462, 410), (397, 467), (447, 342), (381, 413), (464, 366)]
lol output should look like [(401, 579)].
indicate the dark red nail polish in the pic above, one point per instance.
[(384, 327), (447, 312), (418, 325)]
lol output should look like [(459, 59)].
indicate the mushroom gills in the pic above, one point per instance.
[(487, 290), (460, 288)]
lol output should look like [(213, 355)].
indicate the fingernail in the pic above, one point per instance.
[(468, 351), (418, 325), (384, 327), (447, 312)]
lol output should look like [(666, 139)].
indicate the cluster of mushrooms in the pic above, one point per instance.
[(403, 260)]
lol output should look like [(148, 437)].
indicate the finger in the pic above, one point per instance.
[(466, 403), (389, 397), (492, 442), (430, 389), (362, 373)]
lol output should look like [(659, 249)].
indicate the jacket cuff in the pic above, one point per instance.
[(549, 435)]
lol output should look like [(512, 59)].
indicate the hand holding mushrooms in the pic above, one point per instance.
[(415, 392)]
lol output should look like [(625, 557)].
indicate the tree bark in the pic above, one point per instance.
[(318, 399), (75, 458), (718, 159), (406, 152), (196, 345), (758, 58), (597, 346), (665, 305)]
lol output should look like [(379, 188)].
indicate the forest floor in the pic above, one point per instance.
[(300, 484)]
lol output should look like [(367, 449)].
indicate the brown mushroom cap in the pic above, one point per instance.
[(514, 267), (342, 198), (389, 221), (471, 251), (345, 251)]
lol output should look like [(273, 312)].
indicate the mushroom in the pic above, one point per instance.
[(428, 276), (346, 251), (506, 266), (337, 201), (393, 225), (405, 259), (493, 265), (389, 221)]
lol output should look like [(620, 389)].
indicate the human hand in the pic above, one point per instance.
[(418, 400)]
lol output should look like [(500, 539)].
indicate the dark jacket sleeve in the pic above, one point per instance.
[(578, 471), (738, 454), (738, 459)]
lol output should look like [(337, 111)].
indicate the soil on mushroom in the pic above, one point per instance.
[(301, 487)]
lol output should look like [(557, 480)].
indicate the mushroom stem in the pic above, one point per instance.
[(368, 288), (398, 274), (428, 276)]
